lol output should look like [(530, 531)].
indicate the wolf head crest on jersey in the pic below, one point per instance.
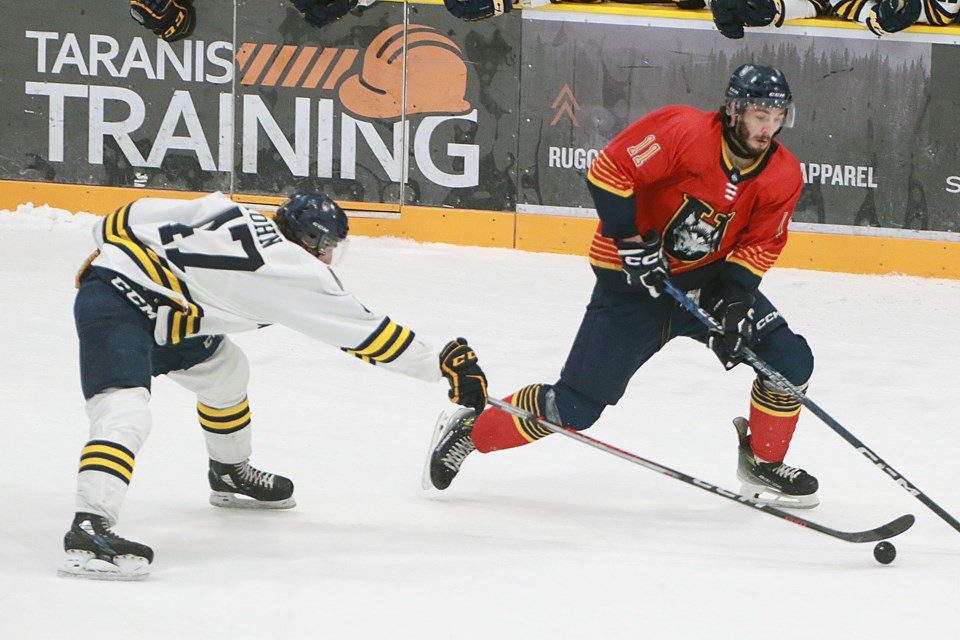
[(695, 231)]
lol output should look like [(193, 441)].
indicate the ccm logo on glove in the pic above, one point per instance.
[(468, 384), (644, 264)]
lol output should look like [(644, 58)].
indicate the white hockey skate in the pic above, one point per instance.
[(449, 447), (773, 483)]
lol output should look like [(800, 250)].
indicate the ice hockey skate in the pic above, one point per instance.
[(240, 486), (773, 483), (449, 447), (94, 551)]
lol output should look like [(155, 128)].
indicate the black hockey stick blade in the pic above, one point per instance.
[(883, 532), (786, 386)]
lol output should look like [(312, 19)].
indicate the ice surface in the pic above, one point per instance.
[(554, 540)]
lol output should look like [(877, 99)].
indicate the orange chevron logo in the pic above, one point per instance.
[(567, 105), (304, 66)]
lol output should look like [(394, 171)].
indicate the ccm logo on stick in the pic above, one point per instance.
[(890, 472)]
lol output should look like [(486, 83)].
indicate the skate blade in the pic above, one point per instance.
[(438, 431), (234, 501), (763, 495), (83, 564)]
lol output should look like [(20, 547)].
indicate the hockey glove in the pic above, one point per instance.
[(320, 13), (468, 384), (473, 10), (890, 16), (644, 265), (731, 16), (171, 20), (733, 309)]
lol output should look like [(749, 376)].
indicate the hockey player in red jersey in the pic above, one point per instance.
[(703, 198), (169, 280)]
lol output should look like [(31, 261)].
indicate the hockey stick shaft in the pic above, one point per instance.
[(889, 530), (785, 385)]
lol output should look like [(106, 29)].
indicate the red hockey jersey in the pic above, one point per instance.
[(705, 209)]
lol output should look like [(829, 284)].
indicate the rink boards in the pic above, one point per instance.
[(97, 112)]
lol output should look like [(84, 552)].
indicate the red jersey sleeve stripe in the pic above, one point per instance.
[(605, 175), (605, 246), (755, 260), (603, 253), (758, 255), (605, 170)]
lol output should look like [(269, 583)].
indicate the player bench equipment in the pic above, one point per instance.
[(171, 20), (731, 16), (473, 10), (320, 13), (890, 16)]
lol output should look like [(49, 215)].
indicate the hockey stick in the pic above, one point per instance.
[(778, 379), (889, 530)]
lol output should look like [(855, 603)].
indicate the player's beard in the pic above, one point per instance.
[(738, 139)]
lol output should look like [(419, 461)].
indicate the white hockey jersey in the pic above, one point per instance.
[(217, 267)]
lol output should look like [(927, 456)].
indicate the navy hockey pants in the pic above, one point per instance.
[(621, 330), (116, 341)]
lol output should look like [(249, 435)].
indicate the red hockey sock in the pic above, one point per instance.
[(495, 429), (773, 419)]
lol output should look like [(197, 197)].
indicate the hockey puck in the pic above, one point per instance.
[(884, 552)]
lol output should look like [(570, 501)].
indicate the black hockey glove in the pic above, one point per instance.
[(644, 265), (890, 16), (473, 10), (732, 307), (468, 384), (171, 20), (731, 16), (320, 13)]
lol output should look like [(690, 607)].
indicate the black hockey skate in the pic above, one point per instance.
[(773, 483), (241, 486), (95, 551), (450, 446)]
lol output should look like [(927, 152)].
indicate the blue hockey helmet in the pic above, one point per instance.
[(760, 86), (313, 220)]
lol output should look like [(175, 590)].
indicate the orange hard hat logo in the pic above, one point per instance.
[(436, 75)]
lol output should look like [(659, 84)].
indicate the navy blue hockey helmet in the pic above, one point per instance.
[(761, 86), (313, 220)]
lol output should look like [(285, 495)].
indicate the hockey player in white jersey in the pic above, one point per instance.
[(170, 279)]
